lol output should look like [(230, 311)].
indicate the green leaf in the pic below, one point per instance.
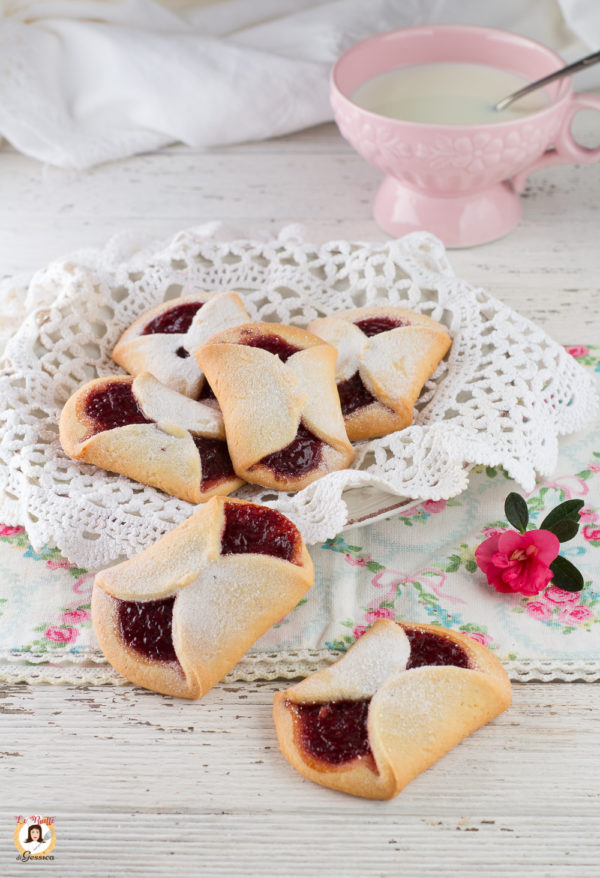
[(471, 565), (490, 472), (453, 564), (569, 510), (374, 567), (515, 509), (565, 529), (565, 575)]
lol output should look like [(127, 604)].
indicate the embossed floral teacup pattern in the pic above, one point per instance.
[(419, 565)]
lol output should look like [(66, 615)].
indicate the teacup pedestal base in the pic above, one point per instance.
[(458, 220)]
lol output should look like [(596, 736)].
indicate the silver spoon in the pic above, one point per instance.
[(588, 61)]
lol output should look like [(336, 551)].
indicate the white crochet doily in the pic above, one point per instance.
[(502, 396)]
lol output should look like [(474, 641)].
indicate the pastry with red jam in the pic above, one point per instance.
[(180, 615), (385, 356), (163, 340), (401, 697), (276, 388), (144, 430)]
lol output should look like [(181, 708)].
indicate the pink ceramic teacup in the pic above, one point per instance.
[(460, 182)]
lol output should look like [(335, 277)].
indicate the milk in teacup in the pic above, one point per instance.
[(447, 93)]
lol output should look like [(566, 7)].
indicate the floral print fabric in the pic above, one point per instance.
[(418, 566)]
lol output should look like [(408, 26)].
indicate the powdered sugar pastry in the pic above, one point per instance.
[(503, 395)]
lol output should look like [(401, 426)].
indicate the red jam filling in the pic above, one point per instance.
[(215, 460), (260, 530), (336, 731), (176, 319), (146, 626), (113, 405), (301, 456), (353, 394), (427, 648), (272, 343), (374, 325)]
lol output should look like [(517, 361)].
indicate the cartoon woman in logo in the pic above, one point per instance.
[(36, 841)]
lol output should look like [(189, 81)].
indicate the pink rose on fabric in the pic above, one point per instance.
[(557, 595), (578, 350), (75, 617), (492, 531), (480, 638), (591, 533), (580, 614), (61, 635), (6, 530), (380, 613), (515, 562), (588, 515), (360, 630), (58, 564), (538, 610), (594, 467), (355, 562), (434, 505)]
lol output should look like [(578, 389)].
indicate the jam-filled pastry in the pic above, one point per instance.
[(276, 388), (180, 615), (401, 697), (144, 430), (385, 356), (163, 340)]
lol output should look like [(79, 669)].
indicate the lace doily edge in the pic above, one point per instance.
[(283, 666)]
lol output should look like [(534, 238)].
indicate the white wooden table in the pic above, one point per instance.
[(146, 785)]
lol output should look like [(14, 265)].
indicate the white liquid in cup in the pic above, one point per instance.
[(447, 94)]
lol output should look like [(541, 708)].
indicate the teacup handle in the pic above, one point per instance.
[(566, 149)]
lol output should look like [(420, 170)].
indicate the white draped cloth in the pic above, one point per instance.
[(86, 81)]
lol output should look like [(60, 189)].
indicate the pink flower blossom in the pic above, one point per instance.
[(587, 515), (492, 531), (7, 531), (580, 614), (75, 617), (379, 613), (61, 635), (557, 595), (355, 562), (538, 610), (480, 638), (515, 562), (434, 505), (578, 350), (58, 564), (591, 533), (594, 467), (360, 630)]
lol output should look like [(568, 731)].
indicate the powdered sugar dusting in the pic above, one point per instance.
[(381, 652), (165, 406)]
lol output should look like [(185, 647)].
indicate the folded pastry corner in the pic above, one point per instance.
[(401, 697), (180, 615), (276, 388), (385, 355), (144, 430), (163, 340)]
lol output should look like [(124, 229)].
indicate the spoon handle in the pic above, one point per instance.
[(594, 58)]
